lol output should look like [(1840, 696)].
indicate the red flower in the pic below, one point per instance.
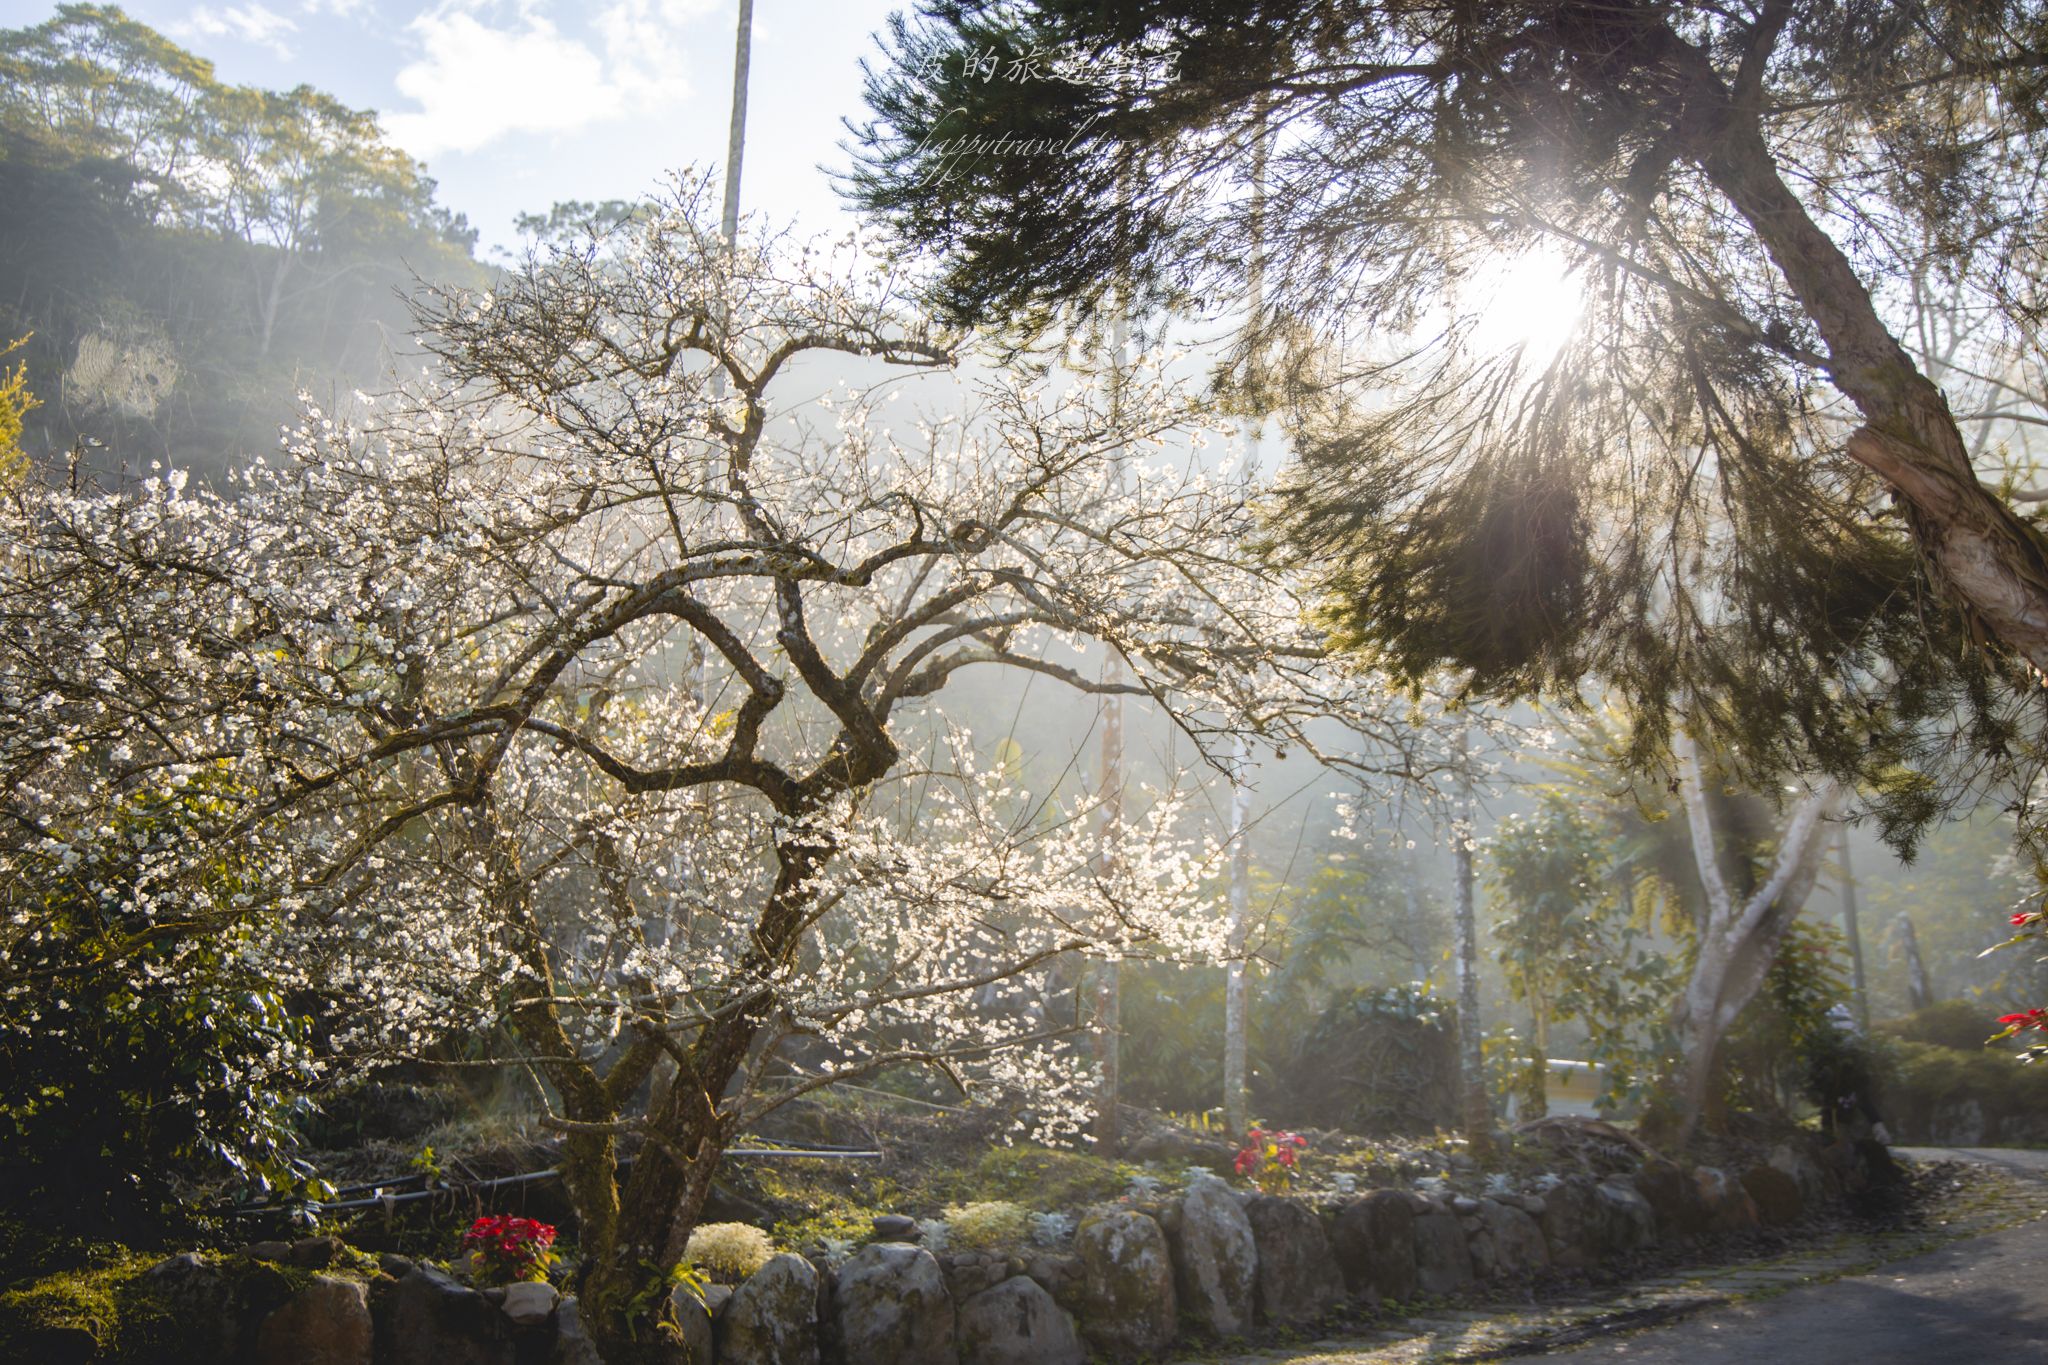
[(2034, 1018)]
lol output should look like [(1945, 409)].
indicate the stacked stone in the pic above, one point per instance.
[(1215, 1262)]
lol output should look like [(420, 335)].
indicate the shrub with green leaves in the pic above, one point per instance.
[(134, 1042)]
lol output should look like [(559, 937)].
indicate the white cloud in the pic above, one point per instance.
[(254, 24), (340, 9), (643, 46), (475, 83)]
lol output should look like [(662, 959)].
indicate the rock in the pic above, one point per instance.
[(1517, 1248), (1126, 1283), (529, 1303), (1215, 1260), (428, 1319), (275, 1252), (1625, 1220), (1464, 1204), (316, 1253), (326, 1323), (1775, 1194), (1373, 1245), (573, 1345), (1017, 1323), (199, 1299), (1569, 1222), (890, 1307), (716, 1296), (1673, 1198), (895, 1227), (1797, 1160), (394, 1265), (1443, 1261), (772, 1319), (693, 1320), (1723, 1202), (1297, 1277), (1177, 1147)]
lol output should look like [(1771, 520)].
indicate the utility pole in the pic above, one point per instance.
[(1236, 988), (1851, 932), (1477, 1112), (1411, 891), (1109, 972), (736, 139), (1236, 983)]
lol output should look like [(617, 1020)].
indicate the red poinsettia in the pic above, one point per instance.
[(503, 1248), (1268, 1160)]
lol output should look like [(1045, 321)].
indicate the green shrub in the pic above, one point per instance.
[(134, 1041), (1959, 1024), (1046, 1178), (987, 1225), (99, 1313), (1937, 1094)]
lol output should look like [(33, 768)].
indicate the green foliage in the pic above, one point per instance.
[(1959, 1025), (1573, 947), (1930, 1091), (1957, 894), (133, 1044), (1785, 1047), (1376, 1060), (15, 404), (1356, 918)]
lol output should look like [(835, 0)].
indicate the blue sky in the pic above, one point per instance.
[(515, 104)]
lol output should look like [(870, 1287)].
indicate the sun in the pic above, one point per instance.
[(1528, 304)]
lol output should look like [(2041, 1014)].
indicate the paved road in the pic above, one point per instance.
[(1980, 1300)]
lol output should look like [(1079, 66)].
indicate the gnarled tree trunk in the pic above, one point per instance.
[(1988, 557), (1737, 940)]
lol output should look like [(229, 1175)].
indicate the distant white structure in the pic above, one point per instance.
[(1571, 1089)]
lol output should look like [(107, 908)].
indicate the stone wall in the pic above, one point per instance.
[(1211, 1262)]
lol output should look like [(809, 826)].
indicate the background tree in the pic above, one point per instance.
[(1575, 945), (190, 253)]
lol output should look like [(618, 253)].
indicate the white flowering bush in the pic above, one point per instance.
[(988, 1225), (728, 1252), (587, 694)]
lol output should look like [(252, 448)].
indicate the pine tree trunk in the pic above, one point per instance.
[(1985, 554)]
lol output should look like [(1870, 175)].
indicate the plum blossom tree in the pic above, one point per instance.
[(585, 688)]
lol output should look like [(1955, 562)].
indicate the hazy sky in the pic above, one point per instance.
[(515, 104)]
